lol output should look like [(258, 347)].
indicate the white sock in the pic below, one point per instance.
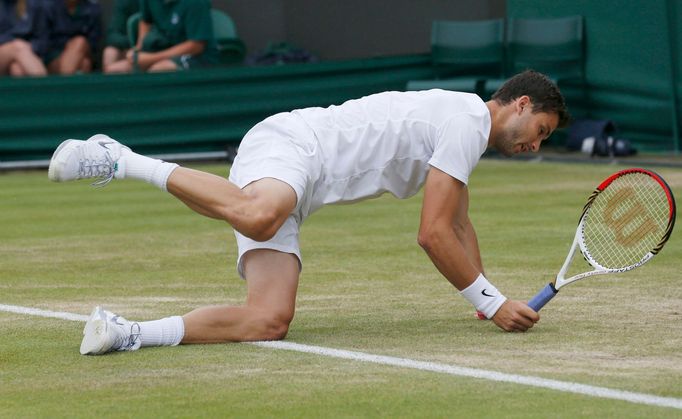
[(165, 332), (137, 166)]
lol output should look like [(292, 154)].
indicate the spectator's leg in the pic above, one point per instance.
[(122, 66), (16, 70), (17, 58), (86, 65), (71, 59), (114, 61), (111, 55), (164, 65)]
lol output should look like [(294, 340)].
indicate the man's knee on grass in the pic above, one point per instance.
[(269, 326)]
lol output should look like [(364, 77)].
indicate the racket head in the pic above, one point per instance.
[(627, 220)]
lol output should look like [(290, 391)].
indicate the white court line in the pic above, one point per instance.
[(44, 313), (566, 386)]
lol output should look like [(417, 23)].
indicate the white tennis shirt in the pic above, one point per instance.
[(386, 142)]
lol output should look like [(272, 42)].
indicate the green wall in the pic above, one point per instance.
[(202, 110), (631, 63)]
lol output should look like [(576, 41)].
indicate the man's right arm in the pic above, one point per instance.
[(445, 199)]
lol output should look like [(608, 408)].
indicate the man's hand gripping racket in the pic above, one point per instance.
[(626, 222)]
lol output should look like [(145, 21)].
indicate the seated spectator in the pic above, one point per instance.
[(174, 35), (23, 37), (75, 32), (117, 43)]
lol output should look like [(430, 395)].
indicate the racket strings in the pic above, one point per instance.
[(625, 221)]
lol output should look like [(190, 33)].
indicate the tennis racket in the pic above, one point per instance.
[(627, 220)]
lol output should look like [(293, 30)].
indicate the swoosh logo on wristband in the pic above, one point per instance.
[(487, 295)]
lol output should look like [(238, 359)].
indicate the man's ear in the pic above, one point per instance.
[(522, 102)]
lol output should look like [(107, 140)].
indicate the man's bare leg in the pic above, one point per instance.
[(272, 281), (257, 211)]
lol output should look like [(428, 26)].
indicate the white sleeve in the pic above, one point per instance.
[(458, 146)]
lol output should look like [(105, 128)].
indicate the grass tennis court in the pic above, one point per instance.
[(366, 286)]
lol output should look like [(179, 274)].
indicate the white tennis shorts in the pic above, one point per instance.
[(282, 147)]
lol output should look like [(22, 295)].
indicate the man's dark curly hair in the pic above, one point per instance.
[(543, 93)]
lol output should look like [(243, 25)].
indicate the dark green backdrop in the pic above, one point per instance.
[(633, 62)]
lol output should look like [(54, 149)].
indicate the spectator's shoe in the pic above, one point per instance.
[(107, 332), (99, 157)]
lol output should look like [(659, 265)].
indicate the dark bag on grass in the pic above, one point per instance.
[(597, 137)]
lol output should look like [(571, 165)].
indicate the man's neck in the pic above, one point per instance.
[(495, 121)]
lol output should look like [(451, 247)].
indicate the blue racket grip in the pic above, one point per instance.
[(543, 297)]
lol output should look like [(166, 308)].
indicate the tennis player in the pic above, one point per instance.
[(293, 163)]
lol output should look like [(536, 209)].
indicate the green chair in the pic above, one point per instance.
[(553, 46), (464, 54), (231, 49)]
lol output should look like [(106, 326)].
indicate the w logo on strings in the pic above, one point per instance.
[(628, 218)]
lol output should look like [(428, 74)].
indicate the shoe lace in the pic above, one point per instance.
[(129, 340), (103, 169)]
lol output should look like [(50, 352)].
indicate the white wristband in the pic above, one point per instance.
[(484, 296)]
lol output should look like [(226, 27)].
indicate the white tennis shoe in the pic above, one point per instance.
[(107, 332), (99, 157)]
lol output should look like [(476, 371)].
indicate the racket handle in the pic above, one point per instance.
[(543, 297)]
